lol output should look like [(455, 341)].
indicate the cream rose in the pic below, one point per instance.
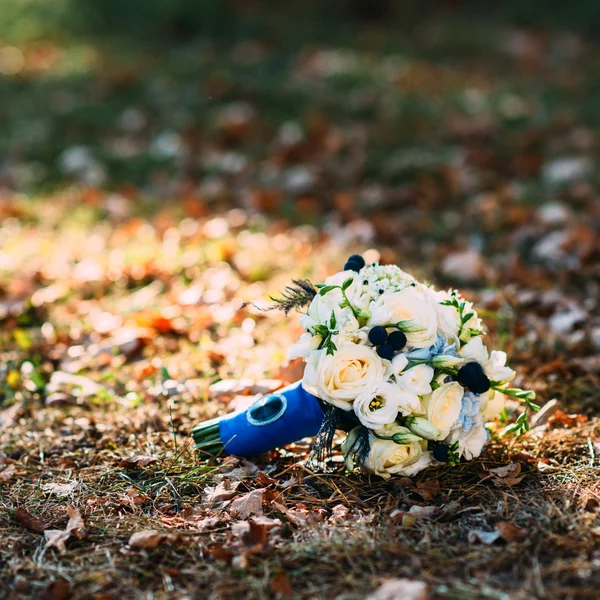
[(410, 304), (378, 406), (340, 377), (386, 457), (417, 380), (443, 406), (496, 369)]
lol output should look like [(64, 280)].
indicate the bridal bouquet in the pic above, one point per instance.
[(398, 365)]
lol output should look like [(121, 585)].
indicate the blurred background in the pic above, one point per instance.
[(162, 161)]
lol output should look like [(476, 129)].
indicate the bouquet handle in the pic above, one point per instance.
[(274, 420)]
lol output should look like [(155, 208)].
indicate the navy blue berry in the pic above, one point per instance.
[(357, 258), (397, 340), (473, 377), (352, 266), (440, 452), (378, 335), (386, 351)]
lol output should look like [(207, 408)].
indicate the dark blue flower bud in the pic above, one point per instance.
[(397, 340), (386, 351), (440, 452), (352, 265), (357, 258), (378, 335)]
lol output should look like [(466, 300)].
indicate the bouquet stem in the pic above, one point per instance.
[(207, 437)]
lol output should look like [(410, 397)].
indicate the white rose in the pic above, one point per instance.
[(474, 349), (472, 444), (417, 380), (496, 369), (410, 304), (386, 457), (443, 406), (340, 377), (378, 406), (448, 318), (304, 347), (494, 405)]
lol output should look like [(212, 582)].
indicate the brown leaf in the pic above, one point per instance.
[(248, 504), (216, 496), (512, 469), (137, 461), (400, 589), (75, 526), (292, 372), (29, 521), (8, 473), (561, 419), (428, 489), (148, 539), (57, 538), (508, 475), (57, 590), (281, 585), (510, 532), (62, 489)]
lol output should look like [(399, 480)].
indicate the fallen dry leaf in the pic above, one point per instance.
[(400, 589), (248, 504), (75, 526), (137, 461), (29, 521), (281, 585), (508, 475), (57, 590), (8, 473), (216, 496), (57, 538), (510, 532), (62, 489), (427, 489), (147, 540)]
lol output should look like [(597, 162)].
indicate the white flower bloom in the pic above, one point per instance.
[(474, 349), (320, 309), (378, 406), (448, 318), (358, 294), (496, 369), (399, 363), (471, 445), (340, 377), (416, 380), (474, 323), (443, 406), (409, 304), (304, 347), (494, 404), (386, 457)]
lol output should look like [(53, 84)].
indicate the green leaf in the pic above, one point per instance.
[(332, 321), (347, 283), (326, 288)]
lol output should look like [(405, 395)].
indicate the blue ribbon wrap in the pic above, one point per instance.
[(273, 421)]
